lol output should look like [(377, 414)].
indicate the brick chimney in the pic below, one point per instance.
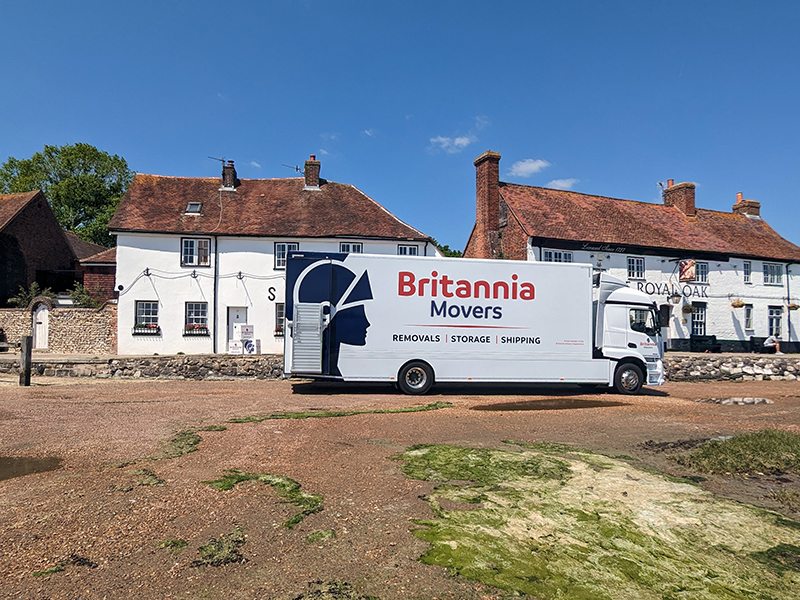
[(681, 196), (229, 180), (487, 196), (311, 173), (750, 208)]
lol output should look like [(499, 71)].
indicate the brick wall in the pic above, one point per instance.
[(513, 240), (102, 278), (71, 330), (487, 200)]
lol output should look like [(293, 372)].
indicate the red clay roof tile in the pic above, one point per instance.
[(258, 207), (567, 215)]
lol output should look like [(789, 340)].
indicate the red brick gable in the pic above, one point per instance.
[(12, 204), (258, 207), (559, 214)]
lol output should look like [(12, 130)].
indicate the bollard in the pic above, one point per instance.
[(25, 360)]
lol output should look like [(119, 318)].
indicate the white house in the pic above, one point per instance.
[(722, 274), (195, 256)]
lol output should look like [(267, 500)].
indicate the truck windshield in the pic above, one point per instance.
[(645, 321)]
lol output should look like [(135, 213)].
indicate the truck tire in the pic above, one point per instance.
[(415, 378), (628, 378)]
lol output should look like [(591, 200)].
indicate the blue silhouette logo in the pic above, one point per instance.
[(342, 295)]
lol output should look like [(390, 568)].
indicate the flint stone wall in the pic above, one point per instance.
[(732, 367), (206, 367), (70, 330), (685, 367)]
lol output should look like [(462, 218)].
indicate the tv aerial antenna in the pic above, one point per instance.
[(296, 168), (222, 160)]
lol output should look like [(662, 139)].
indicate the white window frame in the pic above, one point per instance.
[(407, 250), (636, 268), (191, 253), (748, 317), (774, 320), (280, 314), (282, 250), (194, 208), (701, 272), (351, 247), (699, 318), (773, 273), (146, 312), (561, 256), (196, 313), (747, 271)]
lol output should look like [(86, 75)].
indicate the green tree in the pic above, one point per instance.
[(83, 185), (24, 297), (83, 297), (447, 250)]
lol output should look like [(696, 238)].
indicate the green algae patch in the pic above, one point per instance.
[(558, 522), (181, 443), (222, 550), (288, 488), (328, 414), (769, 451)]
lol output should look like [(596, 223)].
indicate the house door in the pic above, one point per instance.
[(236, 314), (41, 327)]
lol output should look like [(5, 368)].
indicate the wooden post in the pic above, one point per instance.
[(25, 360)]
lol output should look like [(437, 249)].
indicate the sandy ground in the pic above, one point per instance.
[(91, 513)]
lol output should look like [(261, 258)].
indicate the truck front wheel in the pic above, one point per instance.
[(629, 378), (415, 377)]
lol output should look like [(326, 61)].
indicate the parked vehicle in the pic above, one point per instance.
[(415, 320)]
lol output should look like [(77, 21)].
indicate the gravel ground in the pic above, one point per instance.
[(91, 516)]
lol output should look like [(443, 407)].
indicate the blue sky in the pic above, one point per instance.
[(398, 98)]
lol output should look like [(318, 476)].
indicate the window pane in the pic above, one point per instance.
[(146, 313), (635, 267), (774, 314), (701, 272), (747, 271), (202, 252), (187, 258), (699, 319), (279, 316), (197, 313), (748, 316)]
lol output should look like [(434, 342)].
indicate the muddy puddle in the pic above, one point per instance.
[(550, 404), (11, 467)]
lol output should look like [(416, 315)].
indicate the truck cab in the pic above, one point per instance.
[(627, 332)]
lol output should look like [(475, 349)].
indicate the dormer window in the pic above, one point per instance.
[(193, 208)]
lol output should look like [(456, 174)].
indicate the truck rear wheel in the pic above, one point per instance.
[(415, 377), (629, 378)]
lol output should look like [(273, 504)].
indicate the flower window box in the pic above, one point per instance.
[(195, 329), (149, 329), (279, 332)]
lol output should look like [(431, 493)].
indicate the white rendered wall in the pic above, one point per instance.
[(725, 284), (246, 277)]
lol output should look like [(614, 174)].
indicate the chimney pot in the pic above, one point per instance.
[(313, 157), (739, 197), (670, 183), (311, 173)]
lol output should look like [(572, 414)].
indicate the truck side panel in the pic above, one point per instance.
[(474, 320)]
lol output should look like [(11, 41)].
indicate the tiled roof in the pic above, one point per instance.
[(11, 204), (107, 256), (82, 248), (567, 215), (258, 207)]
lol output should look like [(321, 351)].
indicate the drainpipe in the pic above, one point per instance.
[(788, 301), (216, 280)]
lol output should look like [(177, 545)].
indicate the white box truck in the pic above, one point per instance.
[(415, 320)]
